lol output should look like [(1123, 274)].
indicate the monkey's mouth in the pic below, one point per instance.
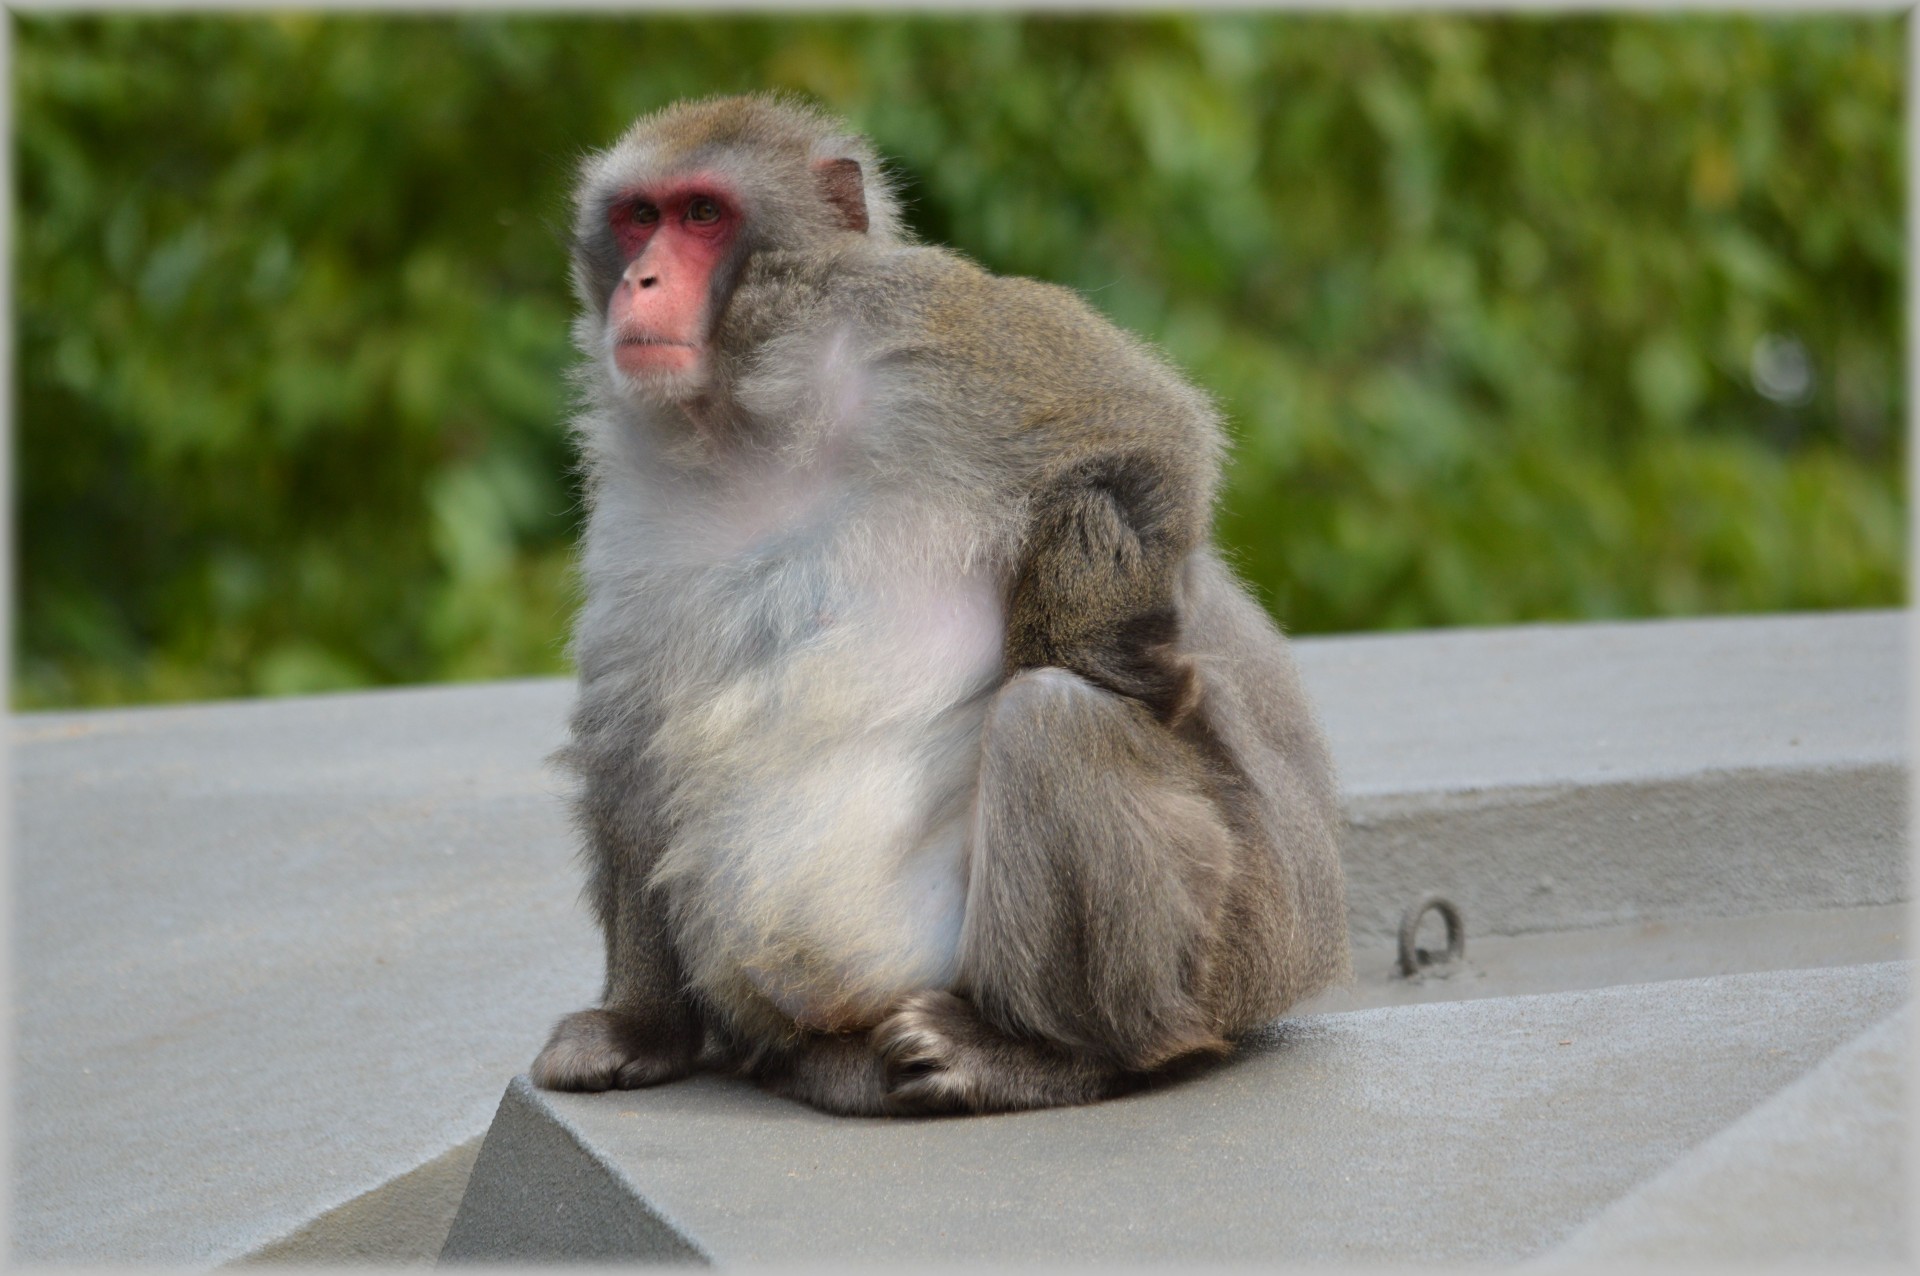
[(636, 354)]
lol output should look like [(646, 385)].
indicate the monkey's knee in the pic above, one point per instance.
[(1055, 695), (1034, 703), (605, 1050)]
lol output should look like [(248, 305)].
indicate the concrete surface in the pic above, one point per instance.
[(1462, 1132), (272, 958), (1552, 777), (269, 956), (1530, 706), (1816, 1174)]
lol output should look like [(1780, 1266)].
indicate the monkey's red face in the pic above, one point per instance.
[(674, 240)]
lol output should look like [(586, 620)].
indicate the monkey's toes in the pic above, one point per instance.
[(922, 1046), (603, 1050)]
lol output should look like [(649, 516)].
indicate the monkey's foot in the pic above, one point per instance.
[(834, 1072), (941, 1057), (606, 1050)]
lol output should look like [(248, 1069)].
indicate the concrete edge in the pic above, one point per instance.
[(1579, 856), (537, 1191), (1817, 1172)]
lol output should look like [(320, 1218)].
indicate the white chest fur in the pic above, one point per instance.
[(821, 659)]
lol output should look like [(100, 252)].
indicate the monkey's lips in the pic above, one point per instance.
[(640, 355)]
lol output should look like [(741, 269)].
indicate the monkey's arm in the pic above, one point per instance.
[(646, 1029), (1094, 591)]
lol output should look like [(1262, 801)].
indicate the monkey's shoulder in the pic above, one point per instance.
[(1040, 353), (972, 312)]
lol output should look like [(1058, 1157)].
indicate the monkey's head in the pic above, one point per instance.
[(667, 220)]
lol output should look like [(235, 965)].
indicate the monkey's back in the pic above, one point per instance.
[(1040, 374), (1075, 388)]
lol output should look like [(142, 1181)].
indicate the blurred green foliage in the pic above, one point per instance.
[(1515, 318)]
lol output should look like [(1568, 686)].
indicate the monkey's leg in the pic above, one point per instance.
[(646, 1030), (1098, 871), (836, 1072)]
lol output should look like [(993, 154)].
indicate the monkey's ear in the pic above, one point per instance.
[(844, 190)]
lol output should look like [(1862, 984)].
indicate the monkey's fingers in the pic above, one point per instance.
[(604, 1050)]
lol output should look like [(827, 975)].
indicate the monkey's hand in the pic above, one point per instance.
[(1095, 590), (607, 1050)]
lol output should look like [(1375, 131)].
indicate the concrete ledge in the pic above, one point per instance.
[(1552, 777), (1469, 1132), (273, 957), (1568, 857)]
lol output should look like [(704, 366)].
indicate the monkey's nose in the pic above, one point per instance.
[(648, 281)]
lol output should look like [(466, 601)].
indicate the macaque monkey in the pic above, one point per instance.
[(930, 758)]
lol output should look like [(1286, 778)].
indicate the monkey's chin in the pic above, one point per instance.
[(665, 373)]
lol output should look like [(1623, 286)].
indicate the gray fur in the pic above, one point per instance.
[(929, 758)]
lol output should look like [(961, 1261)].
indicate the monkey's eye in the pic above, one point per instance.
[(644, 214), (701, 209)]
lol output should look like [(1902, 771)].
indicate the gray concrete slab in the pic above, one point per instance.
[(1552, 777), (1462, 1132), (271, 956), (1458, 710), (1816, 1174)]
